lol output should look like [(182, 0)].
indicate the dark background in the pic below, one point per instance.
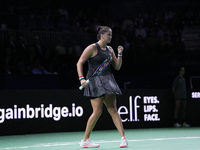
[(142, 67)]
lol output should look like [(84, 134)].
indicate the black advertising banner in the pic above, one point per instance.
[(43, 111), (146, 108)]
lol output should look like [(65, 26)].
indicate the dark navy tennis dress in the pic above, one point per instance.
[(104, 83)]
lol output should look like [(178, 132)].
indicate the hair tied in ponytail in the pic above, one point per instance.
[(99, 28)]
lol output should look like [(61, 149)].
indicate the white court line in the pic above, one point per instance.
[(100, 141)]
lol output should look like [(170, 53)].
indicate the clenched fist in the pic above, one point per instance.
[(120, 49)]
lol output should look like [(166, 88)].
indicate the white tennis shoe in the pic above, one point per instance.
[(88, 144), (177, 125), (124, 142), (185, 124)]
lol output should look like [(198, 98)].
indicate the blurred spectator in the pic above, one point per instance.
[(62, 10), (7, 69), (21, 7), (74, 27), (47, 23), (60, 49), (188, 17), (3, 26), (95, 24), (166, 45), (48, 59), (127, 23), (85, 24), (75, 50), (9, 59), (118, 38), (22, 48), (139, 20), (179, 13), (153, 42), (63, 24), (31, 22), (138, 12), (37, 46), (140, 49), (61, 57), (11, 42), (169, 14), (38, 19), (159, 13), (21, 68), (29, 62), (140, 31), (162, 31), (51, 69), (38, 68), (178, 46), (173, 32), (127, 37), (146, 14)]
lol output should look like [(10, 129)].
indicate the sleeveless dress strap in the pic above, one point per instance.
[(98, 47)]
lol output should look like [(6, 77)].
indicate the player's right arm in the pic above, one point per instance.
[(89, 52)]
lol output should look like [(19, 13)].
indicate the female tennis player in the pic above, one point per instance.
[(103, 88)]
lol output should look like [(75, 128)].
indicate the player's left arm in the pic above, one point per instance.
[(117, 61)]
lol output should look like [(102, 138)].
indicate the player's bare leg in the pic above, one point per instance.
[(110, 102), (97, 105)]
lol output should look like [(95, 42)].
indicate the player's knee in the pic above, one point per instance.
[(97, 112), (112, 110)]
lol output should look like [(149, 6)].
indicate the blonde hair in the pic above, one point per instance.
[(102, 30)]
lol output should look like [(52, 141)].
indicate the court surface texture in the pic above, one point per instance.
[(138, 139)]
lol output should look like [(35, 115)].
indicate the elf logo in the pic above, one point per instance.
[(123, 110), (150, 111)]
